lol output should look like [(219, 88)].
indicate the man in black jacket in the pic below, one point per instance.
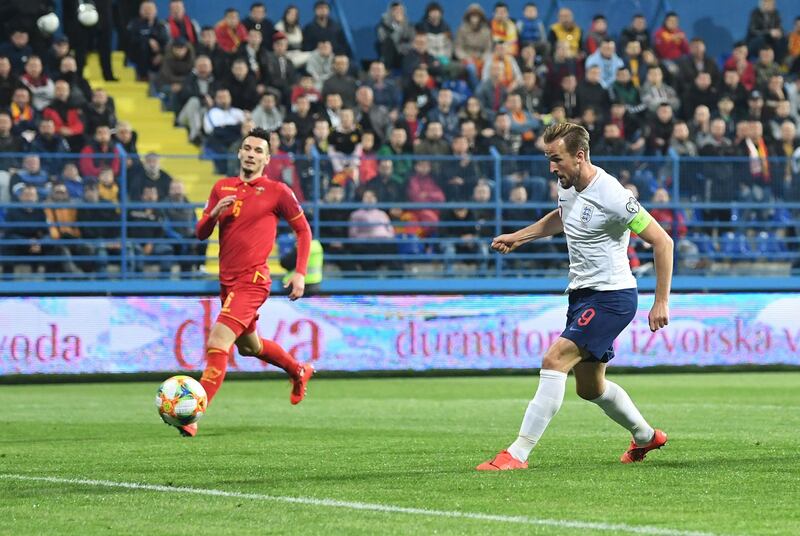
[(322, 28)]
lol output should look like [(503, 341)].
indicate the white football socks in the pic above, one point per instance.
[(619, 406), (545, 404)]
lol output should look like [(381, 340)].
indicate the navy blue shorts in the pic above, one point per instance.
[(596, 317)]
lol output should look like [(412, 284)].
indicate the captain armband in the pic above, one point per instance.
[(640, 221)]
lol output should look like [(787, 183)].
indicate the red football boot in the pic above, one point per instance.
[(636, 453), (504, 461), (300, 383)]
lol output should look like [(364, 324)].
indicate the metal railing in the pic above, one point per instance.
[(727, 217)]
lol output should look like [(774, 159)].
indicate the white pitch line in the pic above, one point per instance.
[(370, 507)]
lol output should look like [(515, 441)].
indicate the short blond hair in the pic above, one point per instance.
[(576, 138)]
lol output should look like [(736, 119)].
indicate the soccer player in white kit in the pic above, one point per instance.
[(597, 216)]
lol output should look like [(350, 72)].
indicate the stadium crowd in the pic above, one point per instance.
[(456, 96)]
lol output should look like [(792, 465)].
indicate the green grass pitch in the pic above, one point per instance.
[(732, 464)]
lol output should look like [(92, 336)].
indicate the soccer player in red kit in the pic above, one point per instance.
[(247, 209)]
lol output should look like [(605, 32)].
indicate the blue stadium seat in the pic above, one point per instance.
[(704, 243)]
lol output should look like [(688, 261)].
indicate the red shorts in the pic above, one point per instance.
[(241, 300)]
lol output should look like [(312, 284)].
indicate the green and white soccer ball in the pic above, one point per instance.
[(181, 400)]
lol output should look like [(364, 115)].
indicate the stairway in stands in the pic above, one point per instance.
[(157, 133)]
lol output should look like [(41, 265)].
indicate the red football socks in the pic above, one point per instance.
[(214, 374), (273, 354)]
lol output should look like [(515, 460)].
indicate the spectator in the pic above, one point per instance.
[(195, 97), (637, 31), (774, 94), (739, 62), (180, 26), (530, 29), (680, 145), (592, 94), (567, 97), (17, 49), (253, 51), (209, 47), (341, 82), (655, 92), (697, 61), (322, 28), (267, 115), (702, 93), (394, 35), (281, 167), (611, 143), (367, 159), (765, 28), (787, 147), (522, 122), (734, 90), (71, 178), (419, 90), (29, 224), (793, 48), (47, 140), (52, 58), (23, 115), (107, 186), (8, 82), (465, 236), (334, 229), (371, 117), (419, 56), (320, 63), (387, 188), (460, 173), (607, 60), (31, 174), (38, 84), (243, 86), (257, 20), (433, 144), (629, 126), (423, 188), (146, 174), (289, 142), (755, 107), (510, 73), (222, 122), (566, 31), (562, 64), (531, 94), (766, 67), (176, 66), (68, 119), (725, 109), (491, 93), (385, 91), (503, 29), (100, 111), (94, 156), (625, 92), (230, 31), (598, 32), (473, 41), (79, 87), (635, 63), (9, 142), (289, 25), (333, 106), (474, 112), (700, 124), (396, 147), (145, 230), (301, 117), (672, 220), (775, 126), (126, 137), (670, 40), (445, 113), (279, 71), (180, 220), (147, 38), (372, 227), (102, 239), (64, 228), (660, 131), (410, 121), (438, 32)]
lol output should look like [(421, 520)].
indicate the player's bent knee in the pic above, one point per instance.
[(248, 349), (562, 356), (588, 393)]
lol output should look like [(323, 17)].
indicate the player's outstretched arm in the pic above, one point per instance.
[(663, 247), (549, 225)]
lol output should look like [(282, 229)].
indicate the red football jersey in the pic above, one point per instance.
[(247, 228)]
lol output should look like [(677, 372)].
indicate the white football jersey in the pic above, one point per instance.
[(596, 226)]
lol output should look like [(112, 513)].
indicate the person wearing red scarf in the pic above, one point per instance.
[(180, 25), (230, 31)]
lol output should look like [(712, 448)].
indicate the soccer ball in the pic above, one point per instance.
[(181, 400), (48, 23), (87, 14)]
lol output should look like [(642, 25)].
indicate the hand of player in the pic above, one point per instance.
[(505, 243), (659, 316), (223, 203), (298, 284)]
